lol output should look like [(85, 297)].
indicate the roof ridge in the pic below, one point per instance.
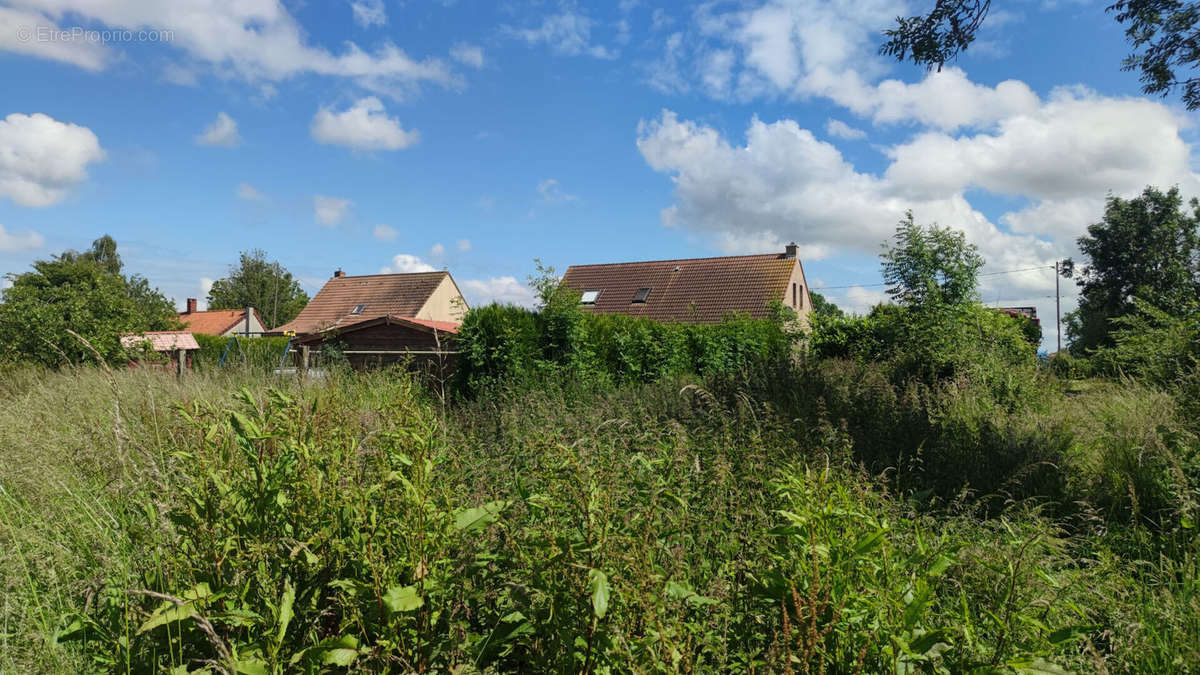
[(387, 274), (777, 256)]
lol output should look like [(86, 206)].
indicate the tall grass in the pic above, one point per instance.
[(816, 520)]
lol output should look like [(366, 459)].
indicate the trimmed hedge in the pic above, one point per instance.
[(260, 353), (503, 343)]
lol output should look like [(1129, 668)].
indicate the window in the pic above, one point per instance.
[(800, 302), (589, 297), (358, 309), (794, 297), (641, 295)]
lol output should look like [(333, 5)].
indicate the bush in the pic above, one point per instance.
[(505, 343), (261, 354)]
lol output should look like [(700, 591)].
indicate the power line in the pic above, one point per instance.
[(985, 274)]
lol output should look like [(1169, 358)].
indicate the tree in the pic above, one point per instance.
[(823, 307), (266, 286), (1162, 33), (929, 267), (84, 292), (1148, 248)]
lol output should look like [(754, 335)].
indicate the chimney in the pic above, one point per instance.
[(191, 306), (338, 274), (789, 251)]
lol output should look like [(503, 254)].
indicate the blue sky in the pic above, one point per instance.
[(478, 136)]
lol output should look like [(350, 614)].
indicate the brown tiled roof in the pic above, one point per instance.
[(701, 290), (162, 340), (215, 321), (383, 294)]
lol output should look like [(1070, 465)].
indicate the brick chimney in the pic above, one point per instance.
[(338, 274), (790, 250), (191, 306)]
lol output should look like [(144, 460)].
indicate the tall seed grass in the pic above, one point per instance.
[(231, 521)]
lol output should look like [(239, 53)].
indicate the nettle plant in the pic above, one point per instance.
[(299, 542)]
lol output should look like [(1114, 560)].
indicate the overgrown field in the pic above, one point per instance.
[(818, 519)]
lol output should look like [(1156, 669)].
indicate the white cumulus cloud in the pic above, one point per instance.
[(25, 241), (330, 211), (468, 55), (19, 32), (503, 289), (42, 158), (252, 41), (568, 32), (222, 132), (368, 12), (839, 129), (405, 263), (552, 193), (363, 126), (248, 192)]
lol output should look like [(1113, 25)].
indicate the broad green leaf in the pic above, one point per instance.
[(1067, 633), (927, 641), (285, 610), (916, 606), (169, 611), (681, 591), (252, 667), (403, 599), (870, 542), (339, 656), (598, 584), (244, 426), (337, 651), (470, 520), (1038, 666)]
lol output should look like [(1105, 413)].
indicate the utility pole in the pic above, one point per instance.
[(1057, 308)]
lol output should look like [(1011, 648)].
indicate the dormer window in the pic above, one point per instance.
[(589, 297), (641, 295), (358, 309)]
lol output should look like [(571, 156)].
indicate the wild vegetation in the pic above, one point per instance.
[(910, 491)]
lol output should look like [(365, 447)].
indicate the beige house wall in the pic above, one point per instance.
[(256, 327), (446, 303), (803, 300)]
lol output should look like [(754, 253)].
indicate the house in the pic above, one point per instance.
[(222, 322), (694, 290), (1027, 312), (388, 339), (178, 345), (345, 300)]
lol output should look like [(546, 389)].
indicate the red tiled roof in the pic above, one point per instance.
[(381, 295), (163, 340), (215, 321), (701, 290)]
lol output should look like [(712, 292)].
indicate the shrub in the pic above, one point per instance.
[(506, 343), (261, 354)]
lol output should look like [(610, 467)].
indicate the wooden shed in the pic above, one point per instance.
[(386, 340)]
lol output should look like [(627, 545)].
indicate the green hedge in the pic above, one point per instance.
[(503, 343), (260, 353)]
